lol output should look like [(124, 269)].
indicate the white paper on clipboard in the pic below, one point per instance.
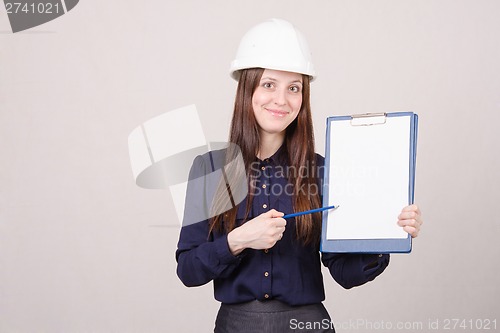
[(368, 178)]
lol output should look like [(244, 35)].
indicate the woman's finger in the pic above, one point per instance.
[(411, 230), (413, 208), (409, 222)]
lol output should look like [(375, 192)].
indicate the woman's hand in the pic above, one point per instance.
[(411, 220), (259, 233)]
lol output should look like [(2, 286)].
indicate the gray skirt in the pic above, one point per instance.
[(272, 317)]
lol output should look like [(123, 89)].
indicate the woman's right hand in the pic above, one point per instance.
[(259, 233)]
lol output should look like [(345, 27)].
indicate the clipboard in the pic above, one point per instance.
[(370, 174)]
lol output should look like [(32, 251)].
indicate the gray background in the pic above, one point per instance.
[(83, 249)]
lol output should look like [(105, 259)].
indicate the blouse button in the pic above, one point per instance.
[(266, 274), (263, 168), (266, 251), (264, 206), (380, 255), (266, 296), (264, 186)]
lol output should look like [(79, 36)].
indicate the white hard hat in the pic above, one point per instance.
[(273, 44)]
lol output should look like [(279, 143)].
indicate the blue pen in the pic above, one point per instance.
[(310, 211)]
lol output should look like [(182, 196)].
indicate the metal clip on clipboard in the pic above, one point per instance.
[(368, 119)]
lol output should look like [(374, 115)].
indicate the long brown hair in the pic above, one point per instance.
[(244, 134)]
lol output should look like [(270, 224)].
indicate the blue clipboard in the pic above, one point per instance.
[(370, 164)]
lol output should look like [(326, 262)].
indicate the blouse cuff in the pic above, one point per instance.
[(374, 262), (223, 252)]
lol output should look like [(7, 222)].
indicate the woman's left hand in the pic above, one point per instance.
[(411, 220)]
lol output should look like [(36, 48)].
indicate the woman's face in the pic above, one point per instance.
[(277, 100)]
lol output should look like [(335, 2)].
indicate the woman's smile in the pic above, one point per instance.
[(277, 112)]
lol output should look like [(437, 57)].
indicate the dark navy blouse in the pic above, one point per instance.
[(289, 271)]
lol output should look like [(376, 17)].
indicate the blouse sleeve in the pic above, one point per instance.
[(351, 270), (201, 257)]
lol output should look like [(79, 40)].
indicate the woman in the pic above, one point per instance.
[(266, 270)]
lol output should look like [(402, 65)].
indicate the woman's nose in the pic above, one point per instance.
[(280, 97)]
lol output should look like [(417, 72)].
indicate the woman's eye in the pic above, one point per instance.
[(267, 85), (294, 89)]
